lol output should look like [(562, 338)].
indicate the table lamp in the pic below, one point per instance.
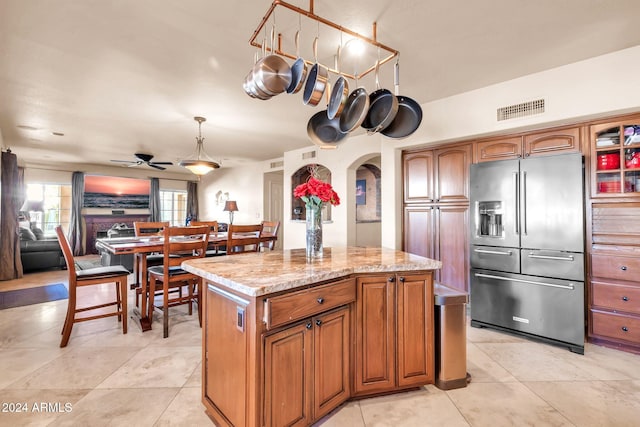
[(230, 206)]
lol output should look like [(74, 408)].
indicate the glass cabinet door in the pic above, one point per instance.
[(616, 159)]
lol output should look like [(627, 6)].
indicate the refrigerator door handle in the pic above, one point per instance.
[(524, 202), (557, 258), (486, 251), (510, 279), (516, 183)]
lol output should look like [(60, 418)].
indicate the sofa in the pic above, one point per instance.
[(38, 252)]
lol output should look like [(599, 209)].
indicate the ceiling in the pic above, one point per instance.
[(119, 77)]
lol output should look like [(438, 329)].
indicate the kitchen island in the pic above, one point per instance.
[(285, 341)]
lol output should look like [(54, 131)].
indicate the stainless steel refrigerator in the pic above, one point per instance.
[(527, 248)]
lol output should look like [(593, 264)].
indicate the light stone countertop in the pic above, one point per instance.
[(262, 273)]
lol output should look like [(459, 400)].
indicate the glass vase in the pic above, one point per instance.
[(314, 232)]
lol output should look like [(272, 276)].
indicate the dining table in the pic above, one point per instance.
[(141, 246)]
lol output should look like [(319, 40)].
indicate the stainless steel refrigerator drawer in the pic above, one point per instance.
[(496, 258), (562, 265)]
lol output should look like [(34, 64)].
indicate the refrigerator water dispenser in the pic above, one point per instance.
[(490, 219)]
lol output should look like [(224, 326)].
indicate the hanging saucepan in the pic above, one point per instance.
[(383, 107), (339, 94), (298, 70), (272, 74), (409, 114), (316, 80), (250, 88), (355, 109), (325, 132)]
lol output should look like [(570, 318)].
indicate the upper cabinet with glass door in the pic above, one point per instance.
[(615, 159)]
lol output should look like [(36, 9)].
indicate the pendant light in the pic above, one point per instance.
[(199, 163)]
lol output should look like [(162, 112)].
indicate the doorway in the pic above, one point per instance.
[(273, 201)]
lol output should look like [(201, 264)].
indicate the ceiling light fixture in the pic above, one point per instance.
[(199, 163)]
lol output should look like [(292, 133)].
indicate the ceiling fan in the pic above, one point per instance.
[(144, 159)]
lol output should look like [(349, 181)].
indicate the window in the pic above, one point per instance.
[(173, 206), (49, 205)]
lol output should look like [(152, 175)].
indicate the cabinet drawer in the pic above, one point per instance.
[(288, 308), (617, 326), (616, 297), (615, 267)]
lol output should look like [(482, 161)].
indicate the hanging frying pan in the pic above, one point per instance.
[(409, 115), (339, 94), (325, 132), (383, 107), (355, 109), (316, 80), (272, 74), (298, 70)]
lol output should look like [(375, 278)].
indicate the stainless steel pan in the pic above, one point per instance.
[(316, 80), (339, 94), (298, 70), (409, 115), (383, 107), (272, 74), (325, 132)]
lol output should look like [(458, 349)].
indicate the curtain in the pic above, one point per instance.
[(11, 193), (75, 235), (192, 201), (154, 201)]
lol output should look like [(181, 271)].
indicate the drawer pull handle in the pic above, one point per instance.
[(320, 300), (318, 322), (623, 268), (309, 325), (625, 298), (625, 329)]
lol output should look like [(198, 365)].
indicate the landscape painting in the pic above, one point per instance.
[(115, 192)]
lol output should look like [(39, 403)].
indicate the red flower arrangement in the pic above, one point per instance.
[(315, 192)]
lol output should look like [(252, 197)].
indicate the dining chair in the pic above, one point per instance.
[(216, 250), (144, 261), (243, 238), (116, 274), (270, 229), (180, 244)]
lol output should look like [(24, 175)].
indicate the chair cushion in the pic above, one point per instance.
[(173, 271), (106, 272)]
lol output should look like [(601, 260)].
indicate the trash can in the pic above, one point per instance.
[(451, 337)]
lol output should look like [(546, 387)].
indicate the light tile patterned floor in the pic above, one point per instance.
[(140, 379)]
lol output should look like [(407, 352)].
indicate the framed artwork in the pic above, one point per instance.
[(361, 191), (116, 192)]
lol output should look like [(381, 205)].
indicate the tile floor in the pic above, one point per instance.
[(140, 379)]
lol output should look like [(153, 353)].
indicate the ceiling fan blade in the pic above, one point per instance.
[(161, 163), (153, 165), (122, 161)]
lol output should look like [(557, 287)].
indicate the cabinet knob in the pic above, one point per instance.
[(391, 279), (625, 329), (320, 300), (401, 278), (625, 298), (623, 268), (318, 322), (309, 325)]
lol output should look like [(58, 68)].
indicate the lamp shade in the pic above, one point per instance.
[(230, 206)]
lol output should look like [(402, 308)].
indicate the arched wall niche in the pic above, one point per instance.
[(302, 175)]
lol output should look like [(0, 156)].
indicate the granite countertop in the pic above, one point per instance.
[(256, 274)]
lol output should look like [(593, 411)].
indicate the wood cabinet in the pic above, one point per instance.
[(307, 369), (394, 342), (436, 205), (552, 141)]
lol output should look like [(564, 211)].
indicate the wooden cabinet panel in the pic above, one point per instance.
[(419, 231), (616, 326), (375, 347), (415, 314), (294, 306), (452, 246), (418, 177), (554, 141), (331, 362), (615, 223), (615, 267), (616, 297), (498, 149), (452, 174), (288, 372)]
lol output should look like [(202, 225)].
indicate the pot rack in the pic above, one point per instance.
[(392, 53)]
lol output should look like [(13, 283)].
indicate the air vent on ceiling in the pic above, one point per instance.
[(274, 165), (309, 155), (521, 110)]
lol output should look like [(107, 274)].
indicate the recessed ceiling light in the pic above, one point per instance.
[(57, 133), (27, 127)]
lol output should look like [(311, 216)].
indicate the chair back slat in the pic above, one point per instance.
[(243, 238), (66, 251), (270, 229), (184, 243), (149, 228), (213, 225)]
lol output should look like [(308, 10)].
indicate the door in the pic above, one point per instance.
[(375, 353), (494, 203), (551, 193), (415, 330), (274, 202), (287, 376), (331, 361)]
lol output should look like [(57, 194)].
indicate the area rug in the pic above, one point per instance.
[(20, 297)]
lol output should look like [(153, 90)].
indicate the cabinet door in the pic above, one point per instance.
[(331, 361), (418, 230), (452, 246), (452, 174), (556, 141), (288, 372), (375, 353), (418, 177), (499, 149), (415, 330)]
